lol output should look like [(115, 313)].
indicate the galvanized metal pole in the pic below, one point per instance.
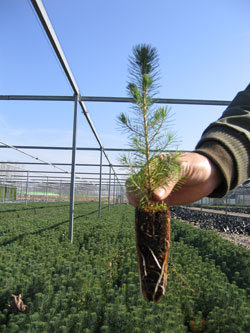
[(3, 193), (114, 191), (34, 190), (21, 191), (6, 193), (109, 188), (60, 196), (47, 189), (27, 186), (100, 186), (72, 184)]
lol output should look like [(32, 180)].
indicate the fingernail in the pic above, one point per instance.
[(160, 192)]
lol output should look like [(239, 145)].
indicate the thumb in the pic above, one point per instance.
[(161, 193)]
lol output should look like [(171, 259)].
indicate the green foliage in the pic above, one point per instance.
[(233, 261), (149, 134), (92, 285)]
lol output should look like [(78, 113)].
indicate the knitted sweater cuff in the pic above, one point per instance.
[(228, 150)]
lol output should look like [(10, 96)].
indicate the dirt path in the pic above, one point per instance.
[(214, 211)]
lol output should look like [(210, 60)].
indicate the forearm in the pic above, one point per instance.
[(226, 143)]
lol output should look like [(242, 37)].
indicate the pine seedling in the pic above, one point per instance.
[(147, 128), (150, 169)]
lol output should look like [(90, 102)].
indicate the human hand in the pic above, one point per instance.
[(197, 179)]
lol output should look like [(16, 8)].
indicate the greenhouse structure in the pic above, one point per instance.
[(28, 181)]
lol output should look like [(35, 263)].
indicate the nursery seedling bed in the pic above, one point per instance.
[(92, 285)]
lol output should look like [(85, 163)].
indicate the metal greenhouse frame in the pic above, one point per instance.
[(78, 101)]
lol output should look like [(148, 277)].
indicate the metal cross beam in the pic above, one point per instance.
[(105, 99)]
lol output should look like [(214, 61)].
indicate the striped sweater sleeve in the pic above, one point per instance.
[(226, 142)]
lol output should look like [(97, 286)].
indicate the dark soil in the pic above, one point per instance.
[(153, 242)]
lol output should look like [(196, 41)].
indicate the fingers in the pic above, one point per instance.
[(197, 178)]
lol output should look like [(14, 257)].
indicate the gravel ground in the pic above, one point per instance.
[(238, 239), (242, 240)]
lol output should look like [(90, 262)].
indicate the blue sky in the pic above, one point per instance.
[(204, 49)]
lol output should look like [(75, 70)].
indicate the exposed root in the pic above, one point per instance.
[(158, 283), (153, 255), (144, 264)]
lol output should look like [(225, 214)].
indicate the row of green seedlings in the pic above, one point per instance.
[(92, 285), (17, 210), (12, 229), (232, 260)]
